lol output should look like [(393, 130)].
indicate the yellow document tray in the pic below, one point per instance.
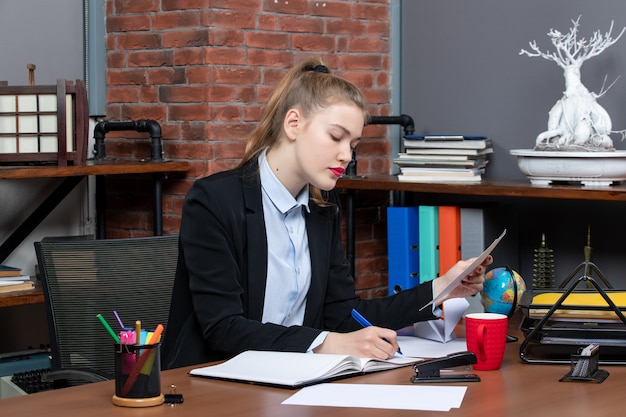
[(588, 306)]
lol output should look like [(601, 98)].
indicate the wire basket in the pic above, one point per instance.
[(585, 368)]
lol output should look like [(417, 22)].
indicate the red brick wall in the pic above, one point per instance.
[(204, 69)]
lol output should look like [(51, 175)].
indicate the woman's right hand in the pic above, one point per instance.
[(369, 342)]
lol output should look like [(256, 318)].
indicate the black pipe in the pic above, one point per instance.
[(350, 171), (407, 123), (151, 126), (100, 208), (157, 210), (403, 120)]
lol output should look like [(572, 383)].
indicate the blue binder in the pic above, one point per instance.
[(402, 248)]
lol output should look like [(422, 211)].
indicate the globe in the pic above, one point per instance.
[(498, 294)]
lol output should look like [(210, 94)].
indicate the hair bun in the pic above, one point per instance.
[(321, 68)]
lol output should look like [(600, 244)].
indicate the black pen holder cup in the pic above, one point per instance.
[(137, 375), (585, 368)]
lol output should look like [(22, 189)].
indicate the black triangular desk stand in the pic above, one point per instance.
[(589, 267), (538, 327)]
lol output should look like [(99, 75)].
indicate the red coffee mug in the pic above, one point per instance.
[(485, 334)]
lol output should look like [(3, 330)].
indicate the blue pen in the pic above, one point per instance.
[(363, 322)]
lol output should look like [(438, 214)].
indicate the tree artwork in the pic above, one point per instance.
[(576, 122)]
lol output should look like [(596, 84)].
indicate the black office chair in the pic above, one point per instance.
[(85, 277)]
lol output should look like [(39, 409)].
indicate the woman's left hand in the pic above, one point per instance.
[(469, 285)]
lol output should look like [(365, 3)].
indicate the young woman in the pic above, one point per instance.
[(261, 264)]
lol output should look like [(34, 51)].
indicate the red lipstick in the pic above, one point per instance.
[(337, 171)]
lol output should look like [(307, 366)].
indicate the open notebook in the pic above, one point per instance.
[(293, 370)]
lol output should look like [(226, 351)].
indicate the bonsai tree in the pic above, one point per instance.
[(576, 122)]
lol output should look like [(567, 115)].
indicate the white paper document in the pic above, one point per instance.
[(479, 260), (397, 397), (442, 330), (417, 347)]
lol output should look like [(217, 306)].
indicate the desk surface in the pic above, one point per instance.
[(516, 389)]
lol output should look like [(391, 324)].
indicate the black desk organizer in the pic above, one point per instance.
[(549, 341), (585, 368)]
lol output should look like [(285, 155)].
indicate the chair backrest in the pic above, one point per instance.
[(84, 278)]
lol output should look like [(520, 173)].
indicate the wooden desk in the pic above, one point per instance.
[(72, 176), (516, 390)]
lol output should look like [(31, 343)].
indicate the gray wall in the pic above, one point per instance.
[(461, 72), (48, 34)]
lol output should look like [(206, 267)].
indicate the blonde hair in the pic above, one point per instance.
[(309, 86)]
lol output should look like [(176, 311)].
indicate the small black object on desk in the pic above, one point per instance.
[(430, 370), (173, 397)]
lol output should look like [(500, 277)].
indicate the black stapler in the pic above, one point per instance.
[(430, 370)]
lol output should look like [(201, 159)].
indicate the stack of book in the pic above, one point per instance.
[(11, 279), (443, 158)]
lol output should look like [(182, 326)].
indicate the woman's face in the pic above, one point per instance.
[(324, 143)]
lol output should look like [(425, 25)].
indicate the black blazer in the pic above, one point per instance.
[(219, 289)]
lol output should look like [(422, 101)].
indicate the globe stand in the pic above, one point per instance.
[(510, 338)]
